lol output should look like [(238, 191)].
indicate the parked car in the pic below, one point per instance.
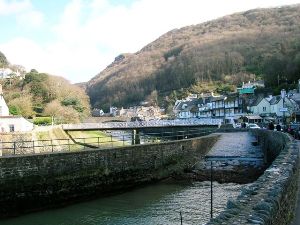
[(253, 126), (238, 125)]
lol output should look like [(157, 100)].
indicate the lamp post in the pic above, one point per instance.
[(224, 109), (283, 94)]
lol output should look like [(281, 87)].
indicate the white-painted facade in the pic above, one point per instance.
[(14, 124), (11, 123), (275, 106), (3, 107), (261, 108)]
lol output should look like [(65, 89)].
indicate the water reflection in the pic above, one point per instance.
[(157, 204)]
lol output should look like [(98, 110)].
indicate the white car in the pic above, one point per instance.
[(238, 125), (253, 126)]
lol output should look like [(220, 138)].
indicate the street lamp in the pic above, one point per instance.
[(283, 94), (224, 109)]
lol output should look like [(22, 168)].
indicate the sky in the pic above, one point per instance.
[(77, 39)]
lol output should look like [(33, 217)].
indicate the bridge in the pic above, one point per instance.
[(137, 125), (185, 128)]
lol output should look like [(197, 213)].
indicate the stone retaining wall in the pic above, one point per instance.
[(33, 182), (272, 198)]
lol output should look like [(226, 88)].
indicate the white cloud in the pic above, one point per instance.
[(8, 7), (91, 33), (30, 19), (23, 11)]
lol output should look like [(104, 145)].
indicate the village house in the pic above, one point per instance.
[(6, 73), (10, 123), (223, 107), (249, 88), (142, 112), (188, 108), (274, 107)]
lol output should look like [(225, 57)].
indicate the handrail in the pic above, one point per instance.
[(111, 141)]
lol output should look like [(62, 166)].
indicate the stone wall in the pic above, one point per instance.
[(33, 182), (271, 199)]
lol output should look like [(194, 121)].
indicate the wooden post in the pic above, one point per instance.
[(52, 145)]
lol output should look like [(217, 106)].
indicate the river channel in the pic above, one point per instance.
[(156, 204)]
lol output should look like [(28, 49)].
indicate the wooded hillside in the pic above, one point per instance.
[(40, 94), (262, 43)]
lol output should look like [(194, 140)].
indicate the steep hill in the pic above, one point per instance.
[(3, 60), (263, 42), (41, 94)]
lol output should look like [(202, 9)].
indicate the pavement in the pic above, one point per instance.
[(296, 220), (233, 150), (236, 144)]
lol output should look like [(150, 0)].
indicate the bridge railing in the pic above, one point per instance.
[(22, 147)]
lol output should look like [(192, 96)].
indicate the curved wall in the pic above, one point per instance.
[(272, 198)]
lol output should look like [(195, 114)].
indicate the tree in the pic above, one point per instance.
[(60, 113), (22, 106)]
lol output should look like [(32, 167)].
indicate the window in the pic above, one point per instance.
[(11, 128), (264, 109)]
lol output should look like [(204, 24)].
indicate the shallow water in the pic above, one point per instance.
[(158, 204)]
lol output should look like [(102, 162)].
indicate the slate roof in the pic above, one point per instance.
[(256, 101), (189, 104), (275, 100)]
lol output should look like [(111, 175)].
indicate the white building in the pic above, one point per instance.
[(274, 106), (10, 123), (260, 106)]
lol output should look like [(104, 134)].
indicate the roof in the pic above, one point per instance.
[(252, 117), (246, 90), (190, 103), (219, 98), (256, 101), (275, 100), (10, 117)]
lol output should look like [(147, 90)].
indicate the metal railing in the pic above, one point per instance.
[(110, 141)]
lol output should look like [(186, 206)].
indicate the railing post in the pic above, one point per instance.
[(98, 142), (123, 140), (14, 147), (52, 145), (111, 140), (83, 143), (33, 147), (69, 145)]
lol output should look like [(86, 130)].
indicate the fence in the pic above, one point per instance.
[(110, 141)]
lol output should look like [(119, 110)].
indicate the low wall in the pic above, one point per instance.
[(33, 182), (272, 198)]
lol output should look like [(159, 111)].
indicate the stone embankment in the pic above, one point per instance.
[(32, 182), (271, 198)]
